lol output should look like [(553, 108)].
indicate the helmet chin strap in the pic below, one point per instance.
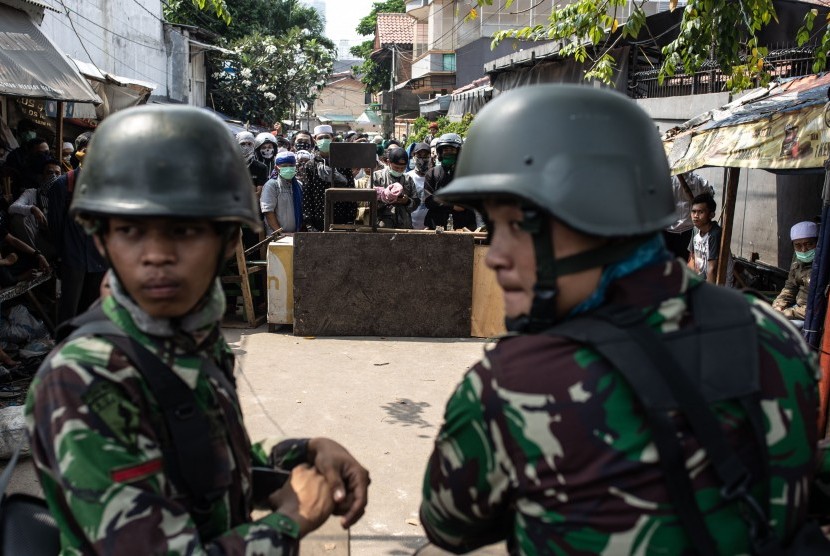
[(543, 309), (542, 314)]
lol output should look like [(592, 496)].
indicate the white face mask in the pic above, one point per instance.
[(267, 151)]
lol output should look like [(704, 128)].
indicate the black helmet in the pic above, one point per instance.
[(151, 161), (597, 162), (449, 140)]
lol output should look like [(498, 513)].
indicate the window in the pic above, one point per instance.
[(449, 62)]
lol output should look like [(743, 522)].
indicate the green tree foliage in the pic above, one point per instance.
[(420, 127), (721, 30), (375, 76), (266, 75), (218, 7), (268, 17), (280, 56)]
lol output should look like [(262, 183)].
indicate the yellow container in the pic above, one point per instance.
[(281, 281)]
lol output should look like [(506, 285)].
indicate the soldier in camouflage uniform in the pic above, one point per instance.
[(166, 220), (544, 444)]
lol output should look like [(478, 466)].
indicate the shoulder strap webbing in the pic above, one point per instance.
[(186, 422), (8, 471), (641, 356)]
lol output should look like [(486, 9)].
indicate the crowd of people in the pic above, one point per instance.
[(291, 178)]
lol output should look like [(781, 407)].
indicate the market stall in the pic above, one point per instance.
[(783, 128)]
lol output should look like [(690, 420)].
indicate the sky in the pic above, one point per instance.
[(342, 16)]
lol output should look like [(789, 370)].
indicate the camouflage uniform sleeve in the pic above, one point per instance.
[(102, 473), (455, 514)]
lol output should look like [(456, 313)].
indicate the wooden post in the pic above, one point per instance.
[(726, 225), (59, 131)]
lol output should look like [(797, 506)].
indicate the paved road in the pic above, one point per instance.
[(381, 398)]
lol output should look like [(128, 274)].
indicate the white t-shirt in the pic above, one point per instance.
[(705, 248)]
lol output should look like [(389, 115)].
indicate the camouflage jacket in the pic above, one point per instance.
[(544, 445), (97, 438), (792, 300)]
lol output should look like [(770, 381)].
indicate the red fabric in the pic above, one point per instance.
[(136, 472)]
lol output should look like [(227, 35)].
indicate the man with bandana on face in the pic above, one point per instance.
[(318, 178), (259, 173), (792, 300), (266, 149), (302, 146)]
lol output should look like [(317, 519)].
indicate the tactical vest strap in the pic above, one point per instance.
[(663, 382), (189, 455)]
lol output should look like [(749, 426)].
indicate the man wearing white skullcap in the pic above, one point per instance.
[(792, 301), (323, 130)]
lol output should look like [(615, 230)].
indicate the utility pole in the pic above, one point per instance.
[(392, 88)]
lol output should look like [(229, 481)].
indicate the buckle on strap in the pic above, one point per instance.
[(755, 517)]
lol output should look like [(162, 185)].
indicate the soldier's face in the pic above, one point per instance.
[(166, 265), (511, 255)]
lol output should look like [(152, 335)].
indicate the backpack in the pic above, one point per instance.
[(726, 333)]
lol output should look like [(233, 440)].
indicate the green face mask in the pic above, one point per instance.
[(288, 172), (448, 160), (395, 174), (324, 145), (806, 256)]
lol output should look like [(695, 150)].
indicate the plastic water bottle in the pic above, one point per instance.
[(449, 224)]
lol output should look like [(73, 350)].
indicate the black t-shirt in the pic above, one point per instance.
[(259, 172)]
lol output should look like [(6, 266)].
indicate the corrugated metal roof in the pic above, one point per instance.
[(32, 7)]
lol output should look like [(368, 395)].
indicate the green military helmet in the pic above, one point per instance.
[(590, 157), (168, 161)]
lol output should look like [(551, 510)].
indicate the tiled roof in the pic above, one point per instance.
[(394, 29)]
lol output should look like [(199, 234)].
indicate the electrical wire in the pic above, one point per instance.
[(143, 7), (77, 35), (110, 31), (124, 22)]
